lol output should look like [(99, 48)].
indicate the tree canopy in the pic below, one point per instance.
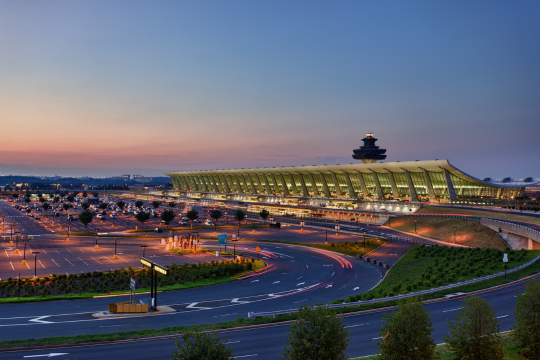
[(167, 216), (526, 329), (198, 345), (86, 218)]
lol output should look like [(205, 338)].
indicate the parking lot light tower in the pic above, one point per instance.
[(115, 256), (143, 249), (35, 253), (17, 242), (96, 238)]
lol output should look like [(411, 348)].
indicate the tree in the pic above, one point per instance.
[(65, 206), (168, 216), (15, 196), (139, 203), (103, 206), (172, 204), (475, 333), (121, 205), (318, 334), (45, 206), (526, 329), (215, 214), (239, 215), (27, 200), (96, 195), (86, 218), (56, 199), (142, 217), (264, 214), (155, 204), (84, 195), (192, 215), (406, 332), (70, 198), (41, 199), (85, 206), (198, 345)]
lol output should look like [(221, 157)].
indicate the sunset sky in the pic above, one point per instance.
[(102, 88)]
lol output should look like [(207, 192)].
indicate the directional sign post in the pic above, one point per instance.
[(154, 269), (132, 287), (505, 261), (222, 240), (258, 249)]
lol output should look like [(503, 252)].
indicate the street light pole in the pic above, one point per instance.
[(35, 253), (96, 238), (143, 249), (24, 254), (364, 241), (17, 243), (415, 226), (115, 256)]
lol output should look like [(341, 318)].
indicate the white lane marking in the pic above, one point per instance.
[(329, 286), (333, 273), (499, 317), (327, 265), (302, 283), (39, 320), (192, 306), (45, 355), (85, 263), (226, 315), (451, 310), (69, 261), (44, 251), (275, 282), (113, 325), (237, 301), (350, 326), (95, 259), (6, 253), (232, 342), (307, 266), (300, 301), (299, 278), (245, 356), (55, 262), (12, 266), (377, 338), (255, 280), (356, 288)]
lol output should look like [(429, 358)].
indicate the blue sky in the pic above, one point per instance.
[(109, 87)]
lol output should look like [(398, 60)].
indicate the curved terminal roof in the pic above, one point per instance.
[(380, 167)]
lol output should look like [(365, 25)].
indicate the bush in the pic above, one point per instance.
[(527, 320)]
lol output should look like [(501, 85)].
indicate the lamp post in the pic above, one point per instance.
[(364, 241), (115, 256), (143, 249), (96, 238), (17, 242), (415, 226), (69, 229), (35, 253), (24, 254), (455, 234)]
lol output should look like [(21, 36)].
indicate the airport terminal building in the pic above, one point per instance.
[(430, 180)]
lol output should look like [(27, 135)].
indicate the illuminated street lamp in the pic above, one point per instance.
[(96, 238), (24, 255), (17, 243), (415, 226)]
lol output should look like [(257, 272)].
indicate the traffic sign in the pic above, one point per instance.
[(222, 239), (132, 284), (14, 224), (505, 257), (258, 249)]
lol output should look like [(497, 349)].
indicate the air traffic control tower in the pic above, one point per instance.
[(369, 153)]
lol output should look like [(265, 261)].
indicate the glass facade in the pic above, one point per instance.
[(274, 183), (386, 187), (370, 184)]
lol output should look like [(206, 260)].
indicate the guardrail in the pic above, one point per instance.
[(374, 301)]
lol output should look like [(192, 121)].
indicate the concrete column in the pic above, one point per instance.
[(429, 185), (380, 194), (250, 181), (313, 185), (395, 192), (449, 185), (352, 194), (238, 185), (303, 183), (412, 190), (284, 184), (336, 184), (268, 190), (530, 244), (293, 184), (224, 183), (325, 185), (363, 184), (276, 186)]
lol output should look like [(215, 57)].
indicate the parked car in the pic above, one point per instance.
[(113, 216), (182, 222), (158, 230), (208, 223), (275, 225)]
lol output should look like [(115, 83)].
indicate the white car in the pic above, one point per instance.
[(208, 223), (182, 222)]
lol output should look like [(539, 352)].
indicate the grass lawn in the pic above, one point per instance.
[(511, 351), (479, 213), (468, 233), (426, 267)]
